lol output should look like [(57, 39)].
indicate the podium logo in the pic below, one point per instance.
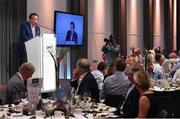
[(49, 47)]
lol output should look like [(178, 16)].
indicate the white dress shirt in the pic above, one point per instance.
[(98, 75), (33, 31), (176, 77), (167, 64), (20, 76), (158, 72)]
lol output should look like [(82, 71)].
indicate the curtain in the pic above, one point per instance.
[(120, 24), (148, 17), (12, 13), (76, 52), (168, 25), (178, 24)]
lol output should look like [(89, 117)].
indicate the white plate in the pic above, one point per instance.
[(156, 88), (112, 109), (112, 116)]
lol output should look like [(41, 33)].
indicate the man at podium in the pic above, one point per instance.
[(28, 31)]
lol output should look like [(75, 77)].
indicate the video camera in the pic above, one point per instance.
[(106, 40), (110, 39)]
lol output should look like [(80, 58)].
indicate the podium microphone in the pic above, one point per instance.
[(45, 27)]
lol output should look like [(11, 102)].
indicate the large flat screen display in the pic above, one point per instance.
[(69, 28)]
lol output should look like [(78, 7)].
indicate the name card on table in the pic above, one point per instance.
[(34, 89)]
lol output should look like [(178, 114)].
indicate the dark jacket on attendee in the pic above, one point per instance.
[(131, 105), (87, 84), (15, 86)]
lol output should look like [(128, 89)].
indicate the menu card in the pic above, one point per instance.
[(34, 89)]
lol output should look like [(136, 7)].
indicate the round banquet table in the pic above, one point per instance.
[(170, 101)]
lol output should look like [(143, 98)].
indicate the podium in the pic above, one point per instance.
[(38, 53)]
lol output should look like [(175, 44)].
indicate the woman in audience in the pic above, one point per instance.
[(131, 61), (149, 63), (147, 102)]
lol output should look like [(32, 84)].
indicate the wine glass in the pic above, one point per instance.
[(16, 100), (87, 97), (23, 96)]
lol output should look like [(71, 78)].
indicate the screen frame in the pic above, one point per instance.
[(55, 12)]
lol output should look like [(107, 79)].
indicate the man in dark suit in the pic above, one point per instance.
[(28, 31), (71, 34), (130, 106), (16, 84), (86, 82)]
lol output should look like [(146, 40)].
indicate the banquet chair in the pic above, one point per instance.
[(163, 114)]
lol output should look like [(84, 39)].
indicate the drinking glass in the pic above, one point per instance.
[(16, 100), (87, 97)]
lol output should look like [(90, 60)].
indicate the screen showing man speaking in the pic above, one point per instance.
[(69, 28)]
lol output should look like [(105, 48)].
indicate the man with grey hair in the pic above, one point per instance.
[(94, 65), (16, 85), (130, 106), (86, 83)]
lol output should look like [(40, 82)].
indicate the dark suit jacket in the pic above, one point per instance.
[(88, 84), (25, 35), (26, 32), (131, 105), (15, 86), (68, 36)]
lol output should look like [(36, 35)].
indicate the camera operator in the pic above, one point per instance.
[(112, 49)]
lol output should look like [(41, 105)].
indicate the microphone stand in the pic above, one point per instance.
[(45, 27)]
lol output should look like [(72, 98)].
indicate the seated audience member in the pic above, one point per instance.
[(16, 84), (168, 63), (149, 64), (174, 69), (152, 55), (129, 107), (76, 75), (131, 60), (86, 81), (99, 73), (94, 65), (158, 71), (172, 55), (148, 107), (115, 85), (158, 50), (176, 77), (137, 53)]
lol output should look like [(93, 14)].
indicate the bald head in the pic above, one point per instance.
[(83, 64), (172, 55)]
